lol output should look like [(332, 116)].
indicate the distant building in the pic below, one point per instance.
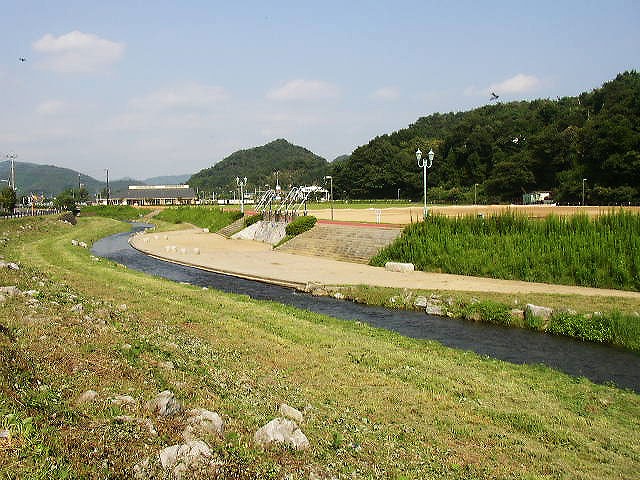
[(537, 198), (151, 195)]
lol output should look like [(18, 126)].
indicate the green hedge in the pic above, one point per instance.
[(248, 221), (300, 224)]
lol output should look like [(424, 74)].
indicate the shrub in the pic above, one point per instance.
[(68, 217), (300, 224), (488, 311), (595, 328), (248, 221)]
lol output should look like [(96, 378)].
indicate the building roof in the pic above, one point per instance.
[(160, 192)]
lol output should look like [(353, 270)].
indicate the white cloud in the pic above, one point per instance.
[(304, 90), (191, 96), (386, 93), (78, 52), (520, 83), (50, 107), (517, 84)]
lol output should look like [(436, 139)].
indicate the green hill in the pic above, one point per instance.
[(511, 148), (51, 180), (48, 179), (296, 166)]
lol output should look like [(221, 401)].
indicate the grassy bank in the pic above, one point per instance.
[(377, 405), (607, 320), (603, 252), (118, 212), (213, 218)]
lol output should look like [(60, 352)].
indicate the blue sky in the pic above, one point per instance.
[(161, 88)]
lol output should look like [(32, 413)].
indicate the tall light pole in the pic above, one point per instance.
[(583, 180), (426, 163), (107, 170), (12, 180), (241, 183), (330, 178), (475, 193)]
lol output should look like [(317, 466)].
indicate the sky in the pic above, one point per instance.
[(150, 88)]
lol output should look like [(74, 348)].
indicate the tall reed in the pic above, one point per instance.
[(602, 252)]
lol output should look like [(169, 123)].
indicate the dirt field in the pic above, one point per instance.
[(406, 215)]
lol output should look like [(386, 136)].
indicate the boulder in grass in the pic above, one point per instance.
[(399, 267), (202, 421), (165, 404), (537, 311), (284, 431), (289, 412)]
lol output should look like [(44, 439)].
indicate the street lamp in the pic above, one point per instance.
[(426, 163), (329, 177), (475, 193), (11, 157), (583, 180), (241, 183)]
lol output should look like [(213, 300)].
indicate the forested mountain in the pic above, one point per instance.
[(511, 148), (48, 179), (296, 166), (51, 180)]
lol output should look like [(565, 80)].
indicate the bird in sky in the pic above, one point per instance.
[(22, 59), (494, 96)]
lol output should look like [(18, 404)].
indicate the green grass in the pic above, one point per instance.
[(117, 212), (603, 252), (377, 405), (213, 218)]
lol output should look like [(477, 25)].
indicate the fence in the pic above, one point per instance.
[(37, 212)]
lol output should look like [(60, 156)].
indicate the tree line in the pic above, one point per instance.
[(500, 151)]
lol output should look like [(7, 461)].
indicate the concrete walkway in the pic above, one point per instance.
[(258, 261)]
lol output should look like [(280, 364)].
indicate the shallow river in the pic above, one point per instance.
[(597, 362)]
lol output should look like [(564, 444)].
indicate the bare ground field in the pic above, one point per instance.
[(407, 215)]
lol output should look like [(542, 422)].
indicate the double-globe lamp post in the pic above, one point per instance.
[(330, 178), (241, 183), (426, 163)]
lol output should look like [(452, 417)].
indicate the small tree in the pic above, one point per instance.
[(8, 199), (66, 201)]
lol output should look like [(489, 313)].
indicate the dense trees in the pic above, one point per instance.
[(511, 148), (295, 166)]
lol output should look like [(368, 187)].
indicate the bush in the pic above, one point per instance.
[(300, 224), (68, 217), (595, 328), (248, 221), (488, 311)]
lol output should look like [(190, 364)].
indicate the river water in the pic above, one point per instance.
[(599, 363)]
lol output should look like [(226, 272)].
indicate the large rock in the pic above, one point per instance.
[(165, 404), (399, 267), (9, 291), (282, 430), (180, 458), (420, 302), (535, 310), (86, 397), (202, 421), (289, 412)]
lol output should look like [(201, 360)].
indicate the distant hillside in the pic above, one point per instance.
[(511, 148), (167, 180), (296, 166), (33, 178)]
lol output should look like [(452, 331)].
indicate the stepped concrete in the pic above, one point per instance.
[(231, 228), (348, 243)]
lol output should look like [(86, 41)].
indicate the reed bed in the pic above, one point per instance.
[(602, 252), (212, 218)]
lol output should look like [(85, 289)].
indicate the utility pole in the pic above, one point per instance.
[(12, 180), (107, 170)]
